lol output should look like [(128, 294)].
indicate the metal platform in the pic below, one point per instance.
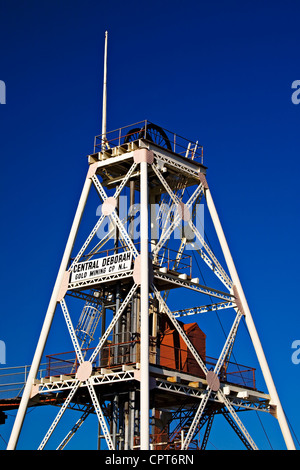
[(179, 384)]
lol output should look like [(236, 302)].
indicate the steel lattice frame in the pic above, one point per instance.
[(88, 382), (234, 299)]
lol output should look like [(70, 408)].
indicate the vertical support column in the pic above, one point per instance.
[(144, 157), (126, 423), (104, 94), (49, 316), (115, 420), (131, 419), (144, 399), (131, 206), (103, 329), (249, 320), (117, 336)]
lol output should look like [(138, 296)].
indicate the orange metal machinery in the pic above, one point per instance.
[(173, 352)]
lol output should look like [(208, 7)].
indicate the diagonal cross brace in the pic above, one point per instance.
[(212, 261), (237, 419), (77, 384), (59, 415), (100, 415), (176, 220), (230, 339), (71, 330), (124, 180), (113, 322), (180, 330), (92, 358), (66, 404), (197, 417), (87, 241), (115, 217), (74, 429), (165, 184)]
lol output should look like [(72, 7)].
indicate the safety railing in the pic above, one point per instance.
[(236, 374), (159, 442), (110, 356), (153, 133), (167, 258), (13, 380), (182, 360), (126, 351), (172, 260), (114, 354)]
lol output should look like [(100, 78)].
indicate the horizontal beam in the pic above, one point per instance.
[(203, 309), (193, 285), (57, 384), (182, 389), (100, 280)]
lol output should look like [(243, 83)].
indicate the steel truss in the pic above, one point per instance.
[(75, 428), (184, 312), (258, 402), (74, 384), (205, 397), (210, 389), (89, 382)]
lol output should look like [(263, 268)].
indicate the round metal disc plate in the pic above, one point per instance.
[(213, 381), (84, 371), (183, 212), (137, 270), (109, 205)]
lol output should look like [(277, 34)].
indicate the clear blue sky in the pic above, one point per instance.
[(213, 71)]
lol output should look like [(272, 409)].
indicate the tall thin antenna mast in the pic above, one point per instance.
[(104, 93)]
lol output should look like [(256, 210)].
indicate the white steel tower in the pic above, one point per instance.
[(147, 367), (135, 363)]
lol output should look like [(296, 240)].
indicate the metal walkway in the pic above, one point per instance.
[(13, 380)]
